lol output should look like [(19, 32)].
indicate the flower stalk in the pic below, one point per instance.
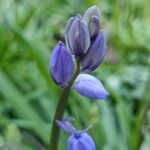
[(85, 46), (60, 109)]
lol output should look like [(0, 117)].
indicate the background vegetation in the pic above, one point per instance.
[(29, 29)]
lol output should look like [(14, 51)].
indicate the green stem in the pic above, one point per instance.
[(62, 102), (136, 135)]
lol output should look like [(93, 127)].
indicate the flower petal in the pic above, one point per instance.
[(82, 142), (95, 54), (60, 58), (89, 86), (66, 125), (92, 11)]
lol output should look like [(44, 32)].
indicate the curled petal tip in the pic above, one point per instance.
[(66, 125), (92, 11), (83, 131)]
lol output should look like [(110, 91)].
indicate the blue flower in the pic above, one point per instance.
[(95, 54), (86, 43), (89, 86), (68, 26), (79, 140), (77, 36), (60, 71), (92, 19)]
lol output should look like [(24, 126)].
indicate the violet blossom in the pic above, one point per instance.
[(79, 139), (86, 43)]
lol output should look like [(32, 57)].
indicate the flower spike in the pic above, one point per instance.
[(86, 45)]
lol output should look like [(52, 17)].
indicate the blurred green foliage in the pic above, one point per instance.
[(29, 29)]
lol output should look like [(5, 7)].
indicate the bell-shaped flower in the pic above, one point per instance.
[(79, 140), (77, 36), (95, 54), (89, 86), (68, 26), (60, 71), (92, 19)]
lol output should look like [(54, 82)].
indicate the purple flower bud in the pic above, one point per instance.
[(92, 18), (77, 36), (89, 86), (69, 24), (79, 140), (60, 58), (95, 54)]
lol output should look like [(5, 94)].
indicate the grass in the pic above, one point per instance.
[(29, 29)]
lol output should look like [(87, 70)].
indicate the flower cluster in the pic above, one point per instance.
[(86, 43), (79, 139), (85, 47)]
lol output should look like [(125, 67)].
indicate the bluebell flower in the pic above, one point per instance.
[(89, 86), (67, 30), (95, 54), (77, 36), (92, 19), (60, 71), (79, 140)]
